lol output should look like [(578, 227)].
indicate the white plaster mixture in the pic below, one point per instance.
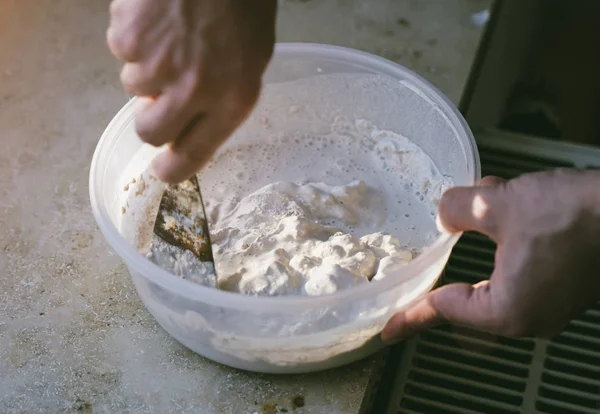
[(342, 211)]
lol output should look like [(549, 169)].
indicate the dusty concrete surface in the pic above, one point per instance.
[(73, 335), (435, 38)]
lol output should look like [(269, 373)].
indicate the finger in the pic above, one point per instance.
[(460, 304), (472, 208), (139, 80), (123, 49), (191, 152), (121, 36), (136, 28), (161, 120)]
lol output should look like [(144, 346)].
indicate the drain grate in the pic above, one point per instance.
[(450, 370), (570, 381)]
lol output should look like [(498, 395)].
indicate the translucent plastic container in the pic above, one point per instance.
[(297, 334)]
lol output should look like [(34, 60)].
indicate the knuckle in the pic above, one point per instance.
[(114, 9), (144, 131), (110, 38), (127, 78), (124, 44), (129, 87), (135, 77)]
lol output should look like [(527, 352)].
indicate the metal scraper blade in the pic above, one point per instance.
[(181, 241)]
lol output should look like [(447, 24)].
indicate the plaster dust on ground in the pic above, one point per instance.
[(74, 336)]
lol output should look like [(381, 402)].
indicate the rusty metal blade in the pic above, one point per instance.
[(181, 241)]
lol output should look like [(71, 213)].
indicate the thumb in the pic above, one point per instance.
[(460, 304), (472, 208)]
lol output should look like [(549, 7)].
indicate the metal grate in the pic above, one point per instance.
[(451, 370), (570, 381)]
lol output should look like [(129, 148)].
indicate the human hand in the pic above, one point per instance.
[(197, 64), (547, 265)]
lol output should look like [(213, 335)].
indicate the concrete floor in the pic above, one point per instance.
[(73, 335), (435, 38)]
